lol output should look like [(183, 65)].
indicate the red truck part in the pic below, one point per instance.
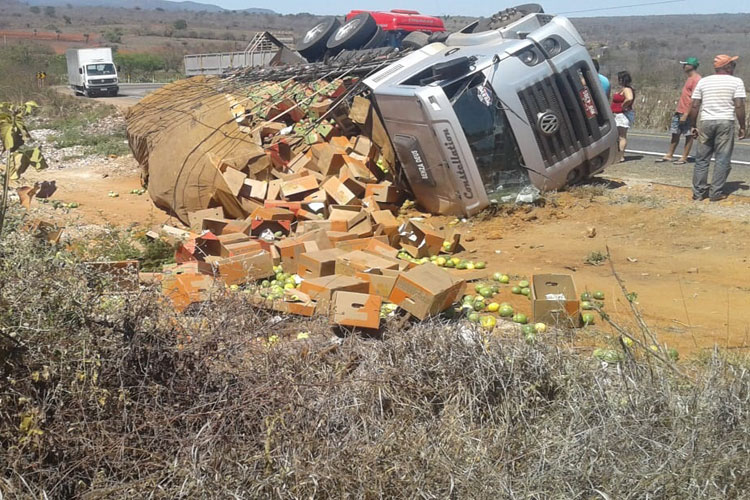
[(403, 20)]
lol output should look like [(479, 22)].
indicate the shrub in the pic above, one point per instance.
[(117, 396)]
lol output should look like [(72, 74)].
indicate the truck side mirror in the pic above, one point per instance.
[(80, 71)]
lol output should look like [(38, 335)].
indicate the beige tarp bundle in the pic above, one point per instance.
[(181, 135)]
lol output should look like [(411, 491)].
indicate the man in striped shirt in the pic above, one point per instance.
[(719, 98)]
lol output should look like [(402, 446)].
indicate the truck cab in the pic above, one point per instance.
[(477, 118), (92, 72)]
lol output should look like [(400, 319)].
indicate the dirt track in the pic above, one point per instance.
[(687, 262)]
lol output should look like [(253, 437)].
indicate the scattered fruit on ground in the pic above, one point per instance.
[(523, 284), (526, 291), (520, 318), (586, 296), (516, 290), (528, 329), (474, 317), (505, 279), (488, 322), (530, 338), (480, 265), (607, 355), (479, 304), (627, 341), (540, 327), (588, 319), (493, 307), (497, 276), (440, 261), (505, 311), (587, 305), (486, 292), (599, 295)]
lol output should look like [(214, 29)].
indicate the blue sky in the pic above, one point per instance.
[(483, 8)]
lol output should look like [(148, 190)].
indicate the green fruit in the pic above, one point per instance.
[(520, 318), (473, 317), (497, 276), (486, 293), (480, 265), (441, 261), (478, 287), (528, 329), (468, 299), (478, 305), (587, 306), (599, 295), (530, 338), (607, 355), (449, 264), (523, 284), (526, 291), (673, 354), (586, 296), (505, 279), (506, 311), (265, 283), (540, 328), (280, 277), (274, 282), (462, 265), (588, 319), (447, 245), (495, 288), (516, 290)]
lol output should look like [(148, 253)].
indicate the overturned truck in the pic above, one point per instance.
[(469, 119)]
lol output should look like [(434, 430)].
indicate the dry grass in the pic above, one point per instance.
[(118, 397)]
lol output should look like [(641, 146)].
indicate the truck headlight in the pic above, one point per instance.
[(530, 56), (553, 45)]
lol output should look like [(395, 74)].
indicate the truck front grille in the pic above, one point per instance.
[(104, 81), (560, 95)]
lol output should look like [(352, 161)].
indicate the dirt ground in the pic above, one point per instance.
[(688, 262)]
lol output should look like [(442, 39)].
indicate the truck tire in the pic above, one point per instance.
[(313, 44), (415, 40), (503, 18), (353, 34), (377, 40)]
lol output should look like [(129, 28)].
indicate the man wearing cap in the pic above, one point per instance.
[(719, 98), (680, 125)]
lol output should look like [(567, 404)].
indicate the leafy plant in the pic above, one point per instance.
[(596, 258), (13, 135)]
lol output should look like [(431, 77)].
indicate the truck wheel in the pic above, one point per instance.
[(353, 34), (377, 40), (415, 40), (313, 44), (503, 18)]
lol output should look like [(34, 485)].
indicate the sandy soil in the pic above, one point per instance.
[(688, 262)]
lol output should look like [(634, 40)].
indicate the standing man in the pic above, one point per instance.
[(680, 125), (719, 98), (602, 79)]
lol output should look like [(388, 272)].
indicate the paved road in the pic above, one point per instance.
[(130, 93), (639, 142), (644, 148)]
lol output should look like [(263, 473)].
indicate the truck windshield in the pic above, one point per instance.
[(100, 69), (490, 137)]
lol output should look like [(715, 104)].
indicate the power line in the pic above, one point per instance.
[(621, 7)]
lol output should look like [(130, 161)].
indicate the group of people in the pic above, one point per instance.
[(709, 109)]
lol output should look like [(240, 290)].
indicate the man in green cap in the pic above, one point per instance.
[(680, 125)]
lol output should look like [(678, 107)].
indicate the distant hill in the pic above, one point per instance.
[(144, 5)]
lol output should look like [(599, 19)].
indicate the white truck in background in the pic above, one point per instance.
[(92, 72)]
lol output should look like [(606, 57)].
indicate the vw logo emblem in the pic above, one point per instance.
[(548, 123)]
